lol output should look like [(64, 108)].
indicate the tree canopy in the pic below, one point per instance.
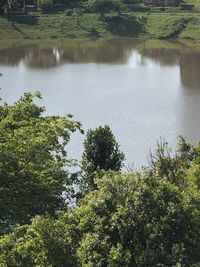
[(131, 220), (33, 161)]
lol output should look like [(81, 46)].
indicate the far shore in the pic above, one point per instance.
[(175, 26)]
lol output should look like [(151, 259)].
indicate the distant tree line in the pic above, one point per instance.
[(99, 6), (49, 5)]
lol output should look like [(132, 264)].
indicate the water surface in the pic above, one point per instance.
[(143, 89)]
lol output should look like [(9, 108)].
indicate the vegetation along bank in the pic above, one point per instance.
[(100, 18)]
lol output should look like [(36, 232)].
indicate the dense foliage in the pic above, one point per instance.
[(131, 220), (45, 243), (32, 161), (146, 218), (139, 220)]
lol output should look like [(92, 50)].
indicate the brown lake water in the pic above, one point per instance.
[(143, 89)]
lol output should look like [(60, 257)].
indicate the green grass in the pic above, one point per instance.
[(193, 28), (153, 25), (171, 26), (51, 26)]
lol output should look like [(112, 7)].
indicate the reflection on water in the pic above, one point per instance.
[(163, 56), (117, 51), (143, 89), (190, 70), (53, 54)]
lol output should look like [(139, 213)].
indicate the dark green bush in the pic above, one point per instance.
[(138, 8), (104, 6), (68, 12), (187, 7)]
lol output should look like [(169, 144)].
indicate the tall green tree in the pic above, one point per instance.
[(101, 152), (33, 161)]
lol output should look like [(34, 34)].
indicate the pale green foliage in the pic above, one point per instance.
[(119, 256), (193, 171), (45, 243), (32, 161)]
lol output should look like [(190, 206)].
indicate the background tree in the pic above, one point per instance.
[(104, 6), (70, 3), (101, 152), (33, 161)]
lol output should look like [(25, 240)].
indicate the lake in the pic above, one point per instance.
[(143, 89)]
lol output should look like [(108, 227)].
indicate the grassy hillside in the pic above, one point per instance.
[(153, 25)]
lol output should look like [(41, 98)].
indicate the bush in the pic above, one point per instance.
[(187, 7), (69, 12), (138, 8)]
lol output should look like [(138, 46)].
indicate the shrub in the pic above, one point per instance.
[(138, 8), (69, 12), (187, 7)]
